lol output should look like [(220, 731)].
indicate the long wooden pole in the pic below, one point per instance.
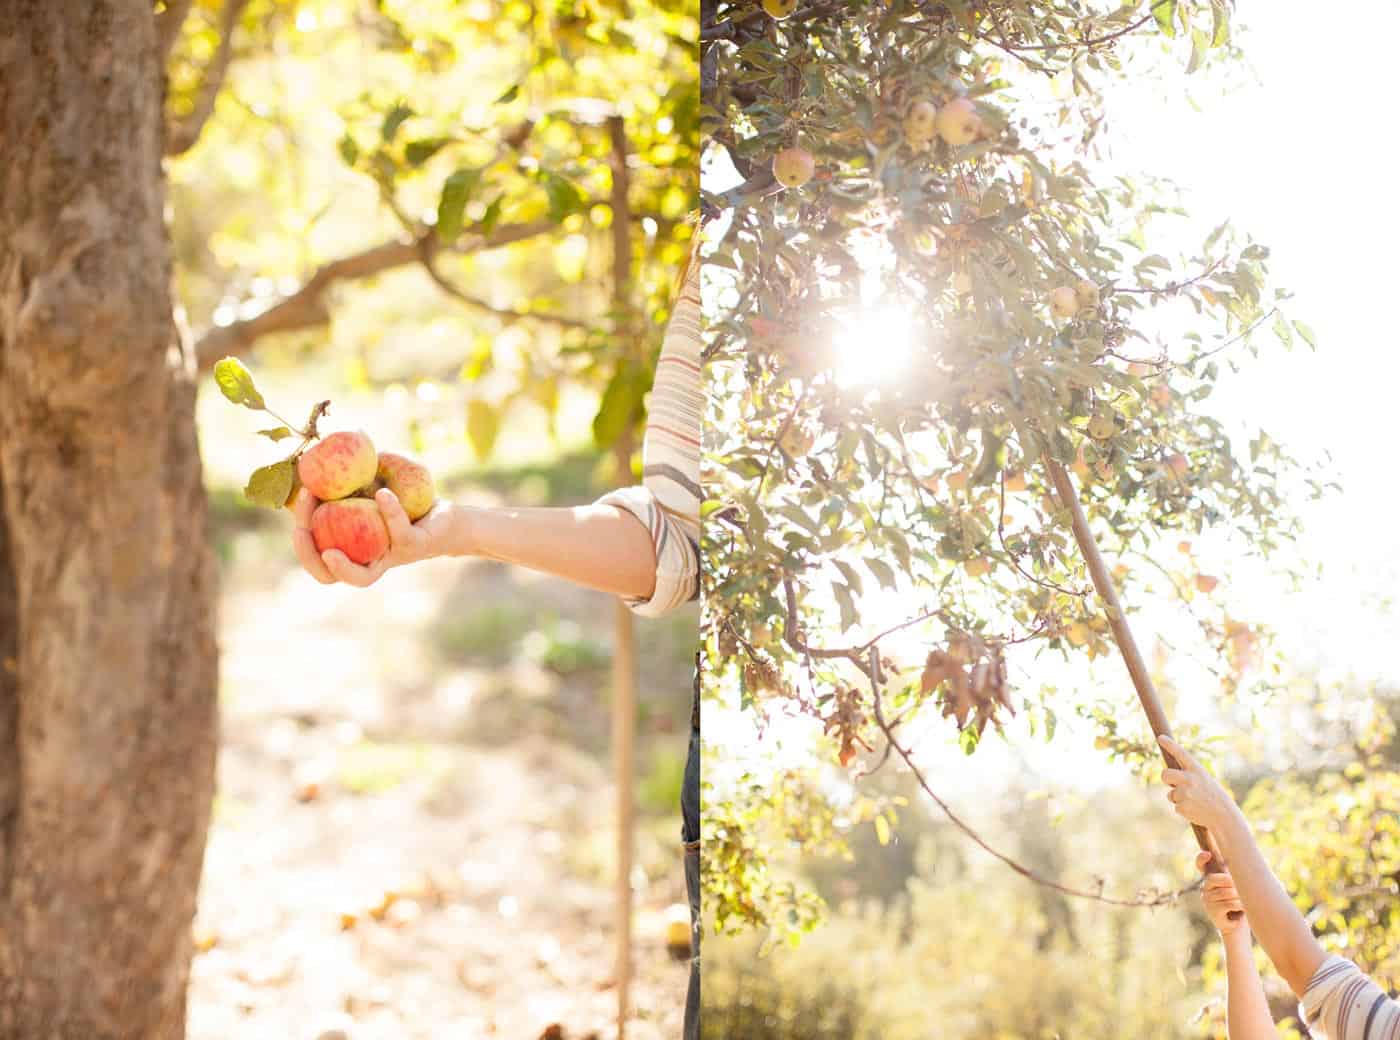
[(624, 671), (1122, 634), (624, 740)]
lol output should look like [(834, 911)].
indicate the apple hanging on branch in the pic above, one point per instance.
[(341, 470)]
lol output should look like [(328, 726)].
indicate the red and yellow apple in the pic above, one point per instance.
[(338, 465), (410, 482), (920, 124), (1064, 302), (1102, 426), (353, 526), (958, 122), (794, 167), (796, 440)]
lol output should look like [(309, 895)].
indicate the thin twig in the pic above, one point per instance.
[(306, 308), (181, 136), (1079, 593), (443, 283), (1144, 900), (168, 25)]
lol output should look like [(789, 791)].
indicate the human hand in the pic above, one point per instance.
[(1195, 794), (1221, 901), (409, 542)]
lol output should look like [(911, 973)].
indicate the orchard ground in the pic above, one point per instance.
[(412, 835)]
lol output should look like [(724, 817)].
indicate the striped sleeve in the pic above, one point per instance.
[(1341, 1003), (668, 499)]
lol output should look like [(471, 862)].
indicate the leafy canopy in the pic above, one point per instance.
[(961, 232)]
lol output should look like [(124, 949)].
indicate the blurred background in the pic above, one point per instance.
[(889, 923), (410, 209)]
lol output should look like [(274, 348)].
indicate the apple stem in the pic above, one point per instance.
[(309, 433), (284, 422)]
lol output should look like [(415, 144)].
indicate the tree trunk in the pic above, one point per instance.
[(108, 710)]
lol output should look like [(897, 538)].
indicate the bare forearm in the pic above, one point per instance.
[(1276, 922), (597, 546), (1247, 1012)]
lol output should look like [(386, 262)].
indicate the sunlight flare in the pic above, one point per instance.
[(873, 346)]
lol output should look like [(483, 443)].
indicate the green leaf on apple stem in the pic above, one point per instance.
[(296, 482), (276, 433), (271, 486), (236, 383)]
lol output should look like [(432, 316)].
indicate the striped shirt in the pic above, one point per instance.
[(668, 499), (1341, 1003)]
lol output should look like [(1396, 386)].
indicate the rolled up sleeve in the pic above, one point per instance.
[(675, 546), (1342, 1003), (668, 500)]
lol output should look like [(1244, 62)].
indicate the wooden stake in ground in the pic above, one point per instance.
[(624, 740), (1122, 634), (624, 673)]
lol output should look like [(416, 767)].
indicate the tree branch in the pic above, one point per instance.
[(727, 29), (180, 137), (442, 282), (1147, 898), (169, 23), (1086, 43), (306, 308)]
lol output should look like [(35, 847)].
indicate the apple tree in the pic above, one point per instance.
[(192, 179), (925, 180)]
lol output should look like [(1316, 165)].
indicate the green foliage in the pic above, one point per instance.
[(1333, 836), (236, 384), (755, 814), (563, 647), (962, 951), (491, 633), (484, 131), (657, 787), (274, 485), (1043, 322), (371, 767), (271, 486)]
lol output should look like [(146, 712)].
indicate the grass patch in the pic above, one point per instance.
[(490, 634), (758, 1009), (373, 768), (572, 477), (230, 515), (563, 647), (659, 788)]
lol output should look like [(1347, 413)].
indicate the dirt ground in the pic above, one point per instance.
[(413, 832)]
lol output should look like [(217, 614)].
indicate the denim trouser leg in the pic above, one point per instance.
[(690, 834)]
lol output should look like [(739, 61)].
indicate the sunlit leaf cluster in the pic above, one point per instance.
[(923, 180), (483, 134)]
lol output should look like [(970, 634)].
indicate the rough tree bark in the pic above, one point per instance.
[(108, 712)]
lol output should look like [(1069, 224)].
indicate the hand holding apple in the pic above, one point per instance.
[(355, 508), (405, 540)]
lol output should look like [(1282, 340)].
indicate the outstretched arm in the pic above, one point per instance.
[(639, 543), (1247, 1013), (1276, 922), (598, 546)]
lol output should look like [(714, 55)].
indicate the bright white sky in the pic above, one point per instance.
[(1300, 159)]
